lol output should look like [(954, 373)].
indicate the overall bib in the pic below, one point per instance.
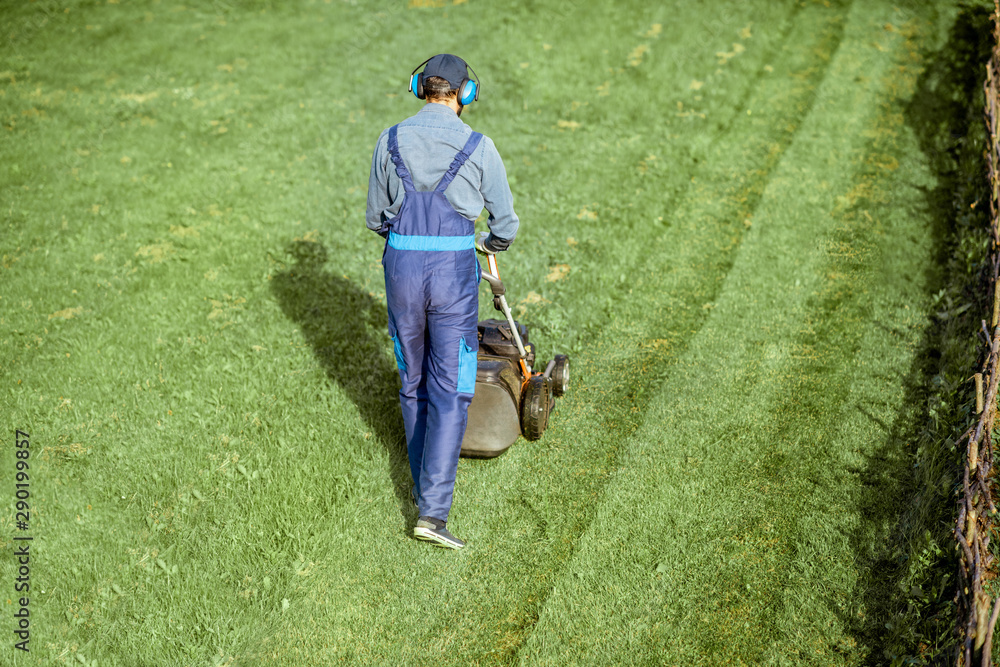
[(431, 286)]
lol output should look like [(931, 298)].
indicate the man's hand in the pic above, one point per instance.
[(481, 243)]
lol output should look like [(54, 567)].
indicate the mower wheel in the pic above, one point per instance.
[(535, 407), (560, 375)]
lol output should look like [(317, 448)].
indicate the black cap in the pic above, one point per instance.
[(450, 68)]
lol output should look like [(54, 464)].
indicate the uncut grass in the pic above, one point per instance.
[(166, 411), (225, 407)]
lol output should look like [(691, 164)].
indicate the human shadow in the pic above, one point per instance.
[(910, 478), (347, 330)]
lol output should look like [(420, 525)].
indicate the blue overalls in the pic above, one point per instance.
[(431, 286)]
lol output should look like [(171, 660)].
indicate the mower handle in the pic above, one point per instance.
[(495, 284), (500, 301)]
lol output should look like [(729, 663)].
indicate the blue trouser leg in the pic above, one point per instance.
[(413, 401), (447, 408), (407, 326)]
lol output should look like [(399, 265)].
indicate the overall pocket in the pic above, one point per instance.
[(467, 363)]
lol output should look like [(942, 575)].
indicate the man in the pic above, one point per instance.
[(431, 176)]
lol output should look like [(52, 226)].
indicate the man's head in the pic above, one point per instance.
[(445, 78), (438, 89)]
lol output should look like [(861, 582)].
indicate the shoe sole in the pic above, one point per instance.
[(426, 535)]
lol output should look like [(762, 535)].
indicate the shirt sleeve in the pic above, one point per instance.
[(497, 198), (378, 186)]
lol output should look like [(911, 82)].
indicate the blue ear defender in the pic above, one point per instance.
[(468, 92), (417, 85)]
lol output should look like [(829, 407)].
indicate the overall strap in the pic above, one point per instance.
[(401, 170), (459, 160)]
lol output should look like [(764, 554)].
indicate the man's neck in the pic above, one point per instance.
[(451, 103)]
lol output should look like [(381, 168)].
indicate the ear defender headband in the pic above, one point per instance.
[(468, 90)]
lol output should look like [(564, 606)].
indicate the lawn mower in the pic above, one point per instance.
[(510, 400)]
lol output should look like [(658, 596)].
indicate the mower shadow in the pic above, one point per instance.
[(347, 330)]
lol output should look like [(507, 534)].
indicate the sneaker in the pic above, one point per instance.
[(433, 530)]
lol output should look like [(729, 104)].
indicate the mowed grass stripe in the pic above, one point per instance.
[(523, 511), (739, 528), (668, 301)]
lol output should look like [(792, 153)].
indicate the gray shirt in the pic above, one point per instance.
[(428, 142)]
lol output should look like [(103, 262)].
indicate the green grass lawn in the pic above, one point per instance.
[(727, 221)]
